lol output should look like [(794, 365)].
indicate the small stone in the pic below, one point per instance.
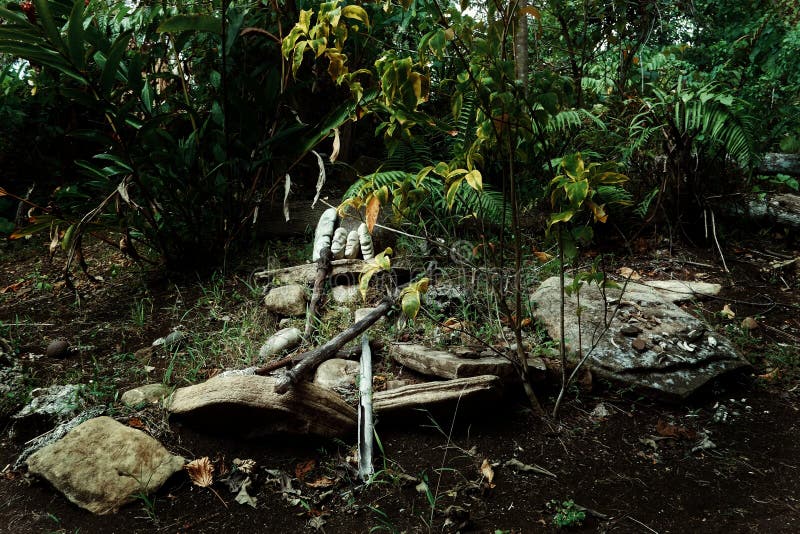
[(149, 394), (630, 330), (284, 323), (748, 323), (639, 344), (336, 372), (280, 341), (287, 300), (58, 348)]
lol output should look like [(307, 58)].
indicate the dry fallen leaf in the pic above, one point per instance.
[(542, 257), (771, 375), (487, 472), (322, 482), (302, 469), (727, 312), (135, 422), (201, 472), (627, 272), (673, 431)]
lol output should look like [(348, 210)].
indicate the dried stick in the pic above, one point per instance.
[(328, 350), (294, 359), (323, 270)]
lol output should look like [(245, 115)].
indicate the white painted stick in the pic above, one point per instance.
[(365, 431)]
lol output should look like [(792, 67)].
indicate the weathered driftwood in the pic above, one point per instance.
[(365, 428), (444, 364), (323, 271), (484, 388), (774, 209), (249, 406), (313, 358), (307, 273), (776, 163)]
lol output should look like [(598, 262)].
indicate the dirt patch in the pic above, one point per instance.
[(726, 462)]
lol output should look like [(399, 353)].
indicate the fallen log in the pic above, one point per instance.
[(776, 163), (772, 209)]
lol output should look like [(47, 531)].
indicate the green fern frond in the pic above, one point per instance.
[(611, 194)]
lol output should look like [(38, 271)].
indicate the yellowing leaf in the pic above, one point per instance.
[(487, 472), (475, 180), (201, 472), (371, 215), (357, 13), (410, 303), (598, 211), (450, 197), (727, 312)]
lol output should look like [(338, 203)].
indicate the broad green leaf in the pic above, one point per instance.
[(116, 159), (356, 13), (556, 218), (49, 24), (147, 96), (200, 23), (68, 234), (111, 68), (75, 35)]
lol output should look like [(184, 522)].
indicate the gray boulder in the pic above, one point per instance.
[(651, 343), (287, 300), (102, 464)]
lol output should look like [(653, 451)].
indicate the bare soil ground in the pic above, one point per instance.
[(642, 467)]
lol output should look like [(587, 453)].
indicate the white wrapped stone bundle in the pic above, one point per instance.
[(366, 242), (324, 232), (339, 242), (353, 246)]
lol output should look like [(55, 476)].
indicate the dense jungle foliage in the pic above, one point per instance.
[(163, 127)]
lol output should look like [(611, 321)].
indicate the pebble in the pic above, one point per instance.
[(57, 348)]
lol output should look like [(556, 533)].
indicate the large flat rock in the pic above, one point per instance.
[(444, 364), (248, 406), (651, 343), (430, 395), (102, 464)]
